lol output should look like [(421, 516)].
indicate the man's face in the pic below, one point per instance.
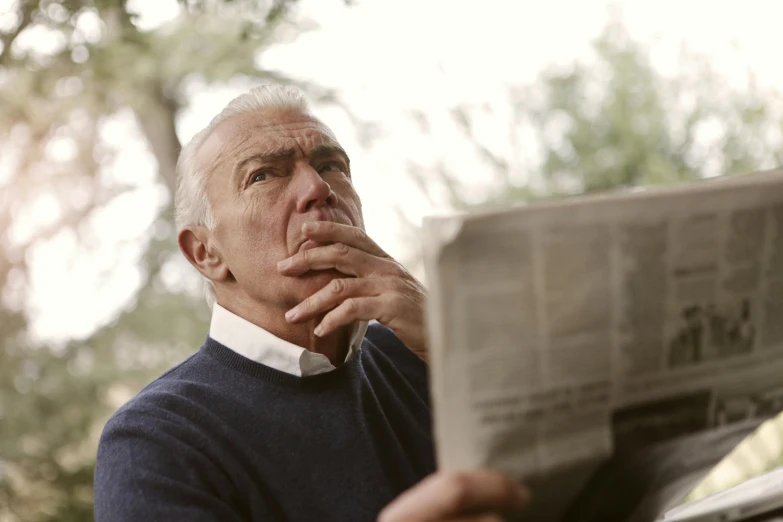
[(269, 172)]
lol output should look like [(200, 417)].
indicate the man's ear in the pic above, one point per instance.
[(196, 244)]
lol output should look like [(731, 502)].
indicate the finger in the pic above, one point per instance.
[(330, 296), (451, 495), (351, 310), (330, 232), (346, 259)]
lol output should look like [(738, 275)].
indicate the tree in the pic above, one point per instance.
[(66, 68), (615, 123)]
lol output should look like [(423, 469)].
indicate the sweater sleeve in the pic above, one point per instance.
[(147, 469)]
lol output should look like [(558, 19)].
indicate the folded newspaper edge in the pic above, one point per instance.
[(609, 350)]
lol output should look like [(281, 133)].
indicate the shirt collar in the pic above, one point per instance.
[(256, 344)]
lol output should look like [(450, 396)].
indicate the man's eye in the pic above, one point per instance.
[(260, 175), (331, 166)]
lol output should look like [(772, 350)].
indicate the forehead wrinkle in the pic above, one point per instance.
[(217, 148), (241, 132)]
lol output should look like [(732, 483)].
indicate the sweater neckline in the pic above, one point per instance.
[(235, 361)]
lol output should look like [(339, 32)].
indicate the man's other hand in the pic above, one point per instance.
[(377, 286), (474, 496)]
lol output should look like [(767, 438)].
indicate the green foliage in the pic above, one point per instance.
[(617, 124)]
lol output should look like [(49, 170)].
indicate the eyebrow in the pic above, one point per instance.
[(260, 157), (321, 151)]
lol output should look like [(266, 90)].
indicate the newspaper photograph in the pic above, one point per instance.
[(607, 351)]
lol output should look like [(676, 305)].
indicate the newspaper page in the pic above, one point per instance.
[(608, 351)]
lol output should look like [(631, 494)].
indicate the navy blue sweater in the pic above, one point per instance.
[(223, 438)]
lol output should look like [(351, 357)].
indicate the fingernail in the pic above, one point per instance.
[(310, 227), (283, 264), (319, 330), (290, 315)]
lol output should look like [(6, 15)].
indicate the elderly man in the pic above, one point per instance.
[(293, 409)]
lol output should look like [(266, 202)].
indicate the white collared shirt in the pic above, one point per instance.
[(256, 344)]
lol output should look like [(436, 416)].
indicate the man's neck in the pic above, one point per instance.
[(334, 346)]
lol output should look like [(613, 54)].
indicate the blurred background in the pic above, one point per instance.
[(442, 105)]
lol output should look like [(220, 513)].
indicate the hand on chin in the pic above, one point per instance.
[(353, 279), (312, 281)]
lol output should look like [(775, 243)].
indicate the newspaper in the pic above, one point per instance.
[(607, 351)]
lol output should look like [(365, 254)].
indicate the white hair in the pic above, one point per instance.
[(191, 204)]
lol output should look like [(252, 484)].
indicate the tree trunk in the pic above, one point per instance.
[(157, 119)]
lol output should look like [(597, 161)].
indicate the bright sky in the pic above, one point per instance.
[(387, 58)]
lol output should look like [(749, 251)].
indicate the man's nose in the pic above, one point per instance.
[(311, 189)]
